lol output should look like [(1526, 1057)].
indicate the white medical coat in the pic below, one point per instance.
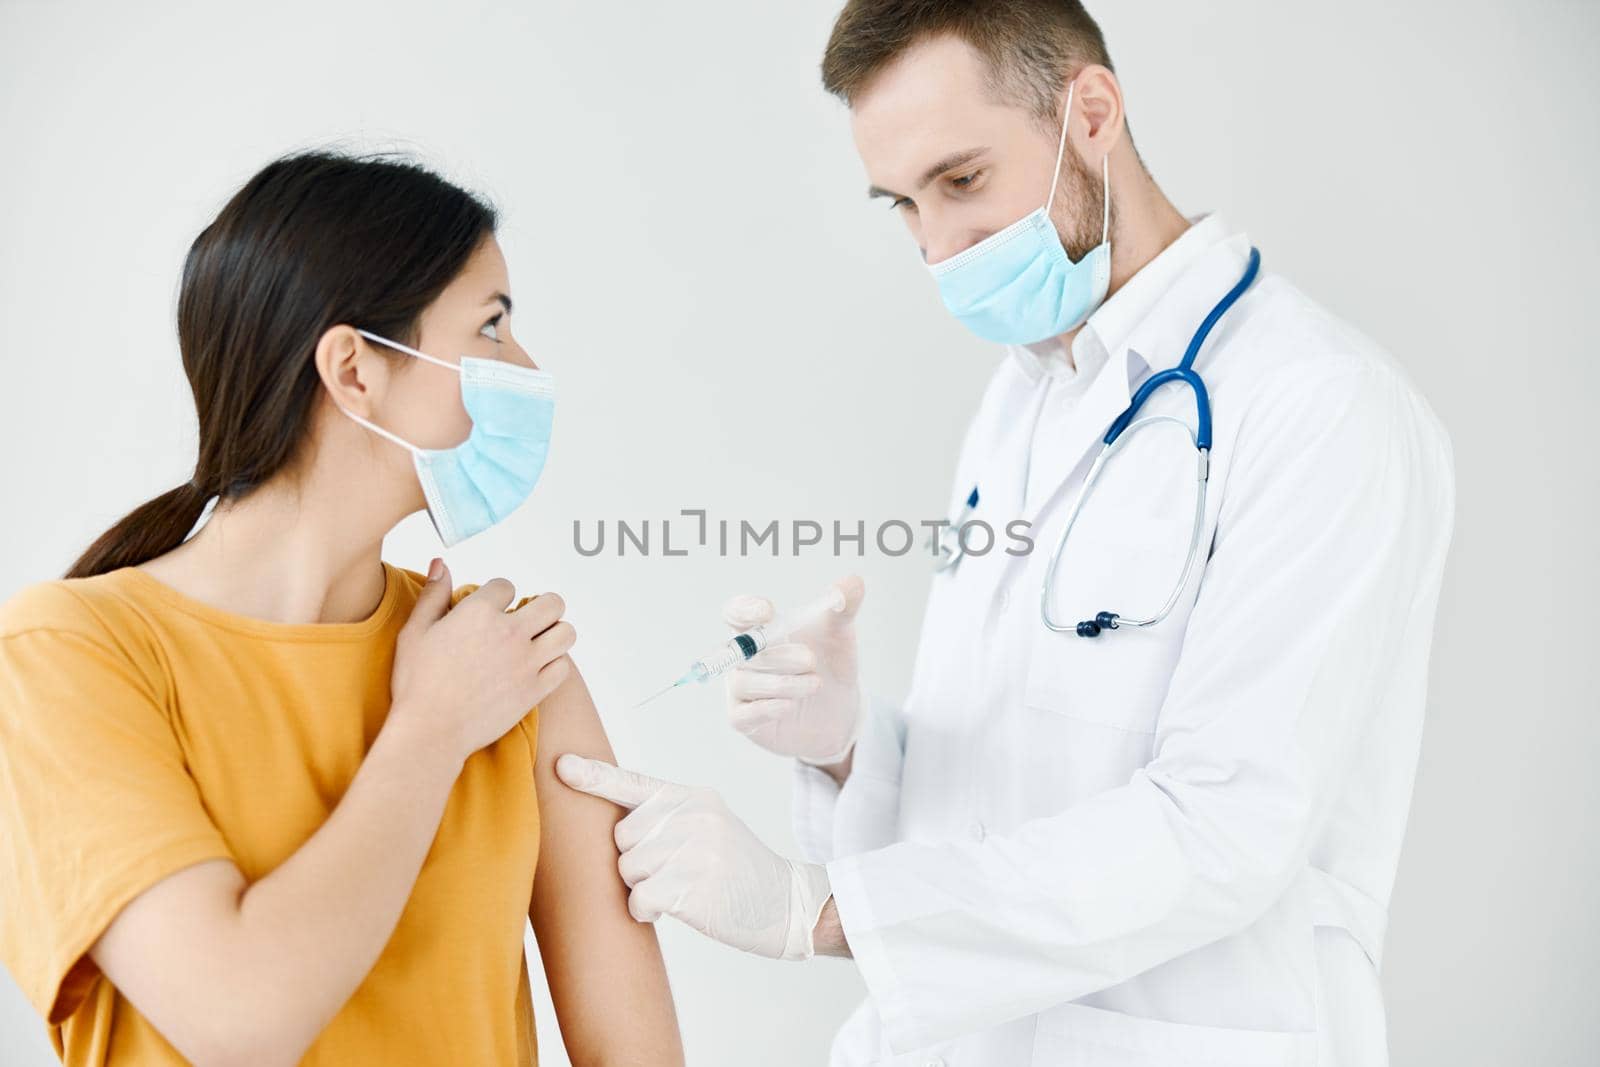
[(1176, 845)]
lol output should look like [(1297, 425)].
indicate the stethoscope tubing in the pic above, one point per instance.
[(1124, 427), (1121, 429)]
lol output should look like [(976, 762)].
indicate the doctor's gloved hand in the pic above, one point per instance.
[(684, 854), (801, 697)]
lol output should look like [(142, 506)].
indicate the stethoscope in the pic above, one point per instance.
[(1122, 428)]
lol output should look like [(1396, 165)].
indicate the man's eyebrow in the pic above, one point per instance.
[(505, 301), (948, 163)]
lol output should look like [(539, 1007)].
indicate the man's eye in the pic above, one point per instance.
[(491, 329), (965, 181), (899, 202)]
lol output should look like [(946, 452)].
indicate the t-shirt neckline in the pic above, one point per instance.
[(290, 631)]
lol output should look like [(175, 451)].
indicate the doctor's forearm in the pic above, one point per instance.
[(828, 936)]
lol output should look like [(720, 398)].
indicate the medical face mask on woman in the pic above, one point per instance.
[(1017, 286), (477, 483)]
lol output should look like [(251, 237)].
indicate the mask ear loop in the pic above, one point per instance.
[(407, 350), (1061, 150), (374, 427), (1105, 187), (381, 432), (1105, 173)]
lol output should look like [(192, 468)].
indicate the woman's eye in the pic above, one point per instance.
[(899, 202), (491, 329), (965, 181)]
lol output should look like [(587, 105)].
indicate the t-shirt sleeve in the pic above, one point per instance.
[(96, 801)]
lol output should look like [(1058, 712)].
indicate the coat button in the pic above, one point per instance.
[(1004, 599), (977, 830), (934, 1063)]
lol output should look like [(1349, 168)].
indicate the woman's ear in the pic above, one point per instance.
[(354, 376)]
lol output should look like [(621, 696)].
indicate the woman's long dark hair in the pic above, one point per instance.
[(314, 240)]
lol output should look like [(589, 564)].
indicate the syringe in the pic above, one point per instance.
[(744, 645)]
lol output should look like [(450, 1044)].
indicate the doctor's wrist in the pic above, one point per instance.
[(838, 764), (827, 937), (837, 768)]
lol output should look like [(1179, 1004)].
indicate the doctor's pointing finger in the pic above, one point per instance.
[(684, 854)]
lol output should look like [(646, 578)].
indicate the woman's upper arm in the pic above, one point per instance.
[(602, 965)]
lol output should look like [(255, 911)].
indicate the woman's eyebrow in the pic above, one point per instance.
[(505, 301)]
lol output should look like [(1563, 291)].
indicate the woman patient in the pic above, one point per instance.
[(269, 799)]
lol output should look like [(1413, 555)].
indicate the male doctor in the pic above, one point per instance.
[(1170, 844)]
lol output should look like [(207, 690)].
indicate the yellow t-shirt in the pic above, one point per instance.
[(142, 731)]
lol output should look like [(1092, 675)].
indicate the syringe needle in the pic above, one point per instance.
[(749, 643), (657, 693)]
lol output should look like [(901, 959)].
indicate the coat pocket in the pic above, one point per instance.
[(1075, 1035), (1118, 679)]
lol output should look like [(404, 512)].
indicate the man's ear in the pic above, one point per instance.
[(1097, 120)]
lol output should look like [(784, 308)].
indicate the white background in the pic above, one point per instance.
[(733, 327)]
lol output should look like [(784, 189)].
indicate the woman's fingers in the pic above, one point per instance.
[(554, 643), (539, 614), (495, 593)]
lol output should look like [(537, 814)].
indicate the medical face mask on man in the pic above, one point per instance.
[(477, 483), (1018, 286)]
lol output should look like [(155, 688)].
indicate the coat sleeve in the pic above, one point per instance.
[(1329, 545), (832, 821)]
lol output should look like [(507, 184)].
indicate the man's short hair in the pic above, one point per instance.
[(1031, 46)]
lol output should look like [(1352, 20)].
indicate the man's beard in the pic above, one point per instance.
[(1078, 211)]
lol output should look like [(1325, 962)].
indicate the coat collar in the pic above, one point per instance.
[(1142, 327), (1114, 322)]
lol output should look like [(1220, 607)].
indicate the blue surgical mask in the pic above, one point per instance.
[(477, 483), (1017, 286)]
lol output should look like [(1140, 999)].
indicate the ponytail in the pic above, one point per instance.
[(150, 530)]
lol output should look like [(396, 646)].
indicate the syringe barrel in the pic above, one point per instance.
[(736, 650), (744, 645)]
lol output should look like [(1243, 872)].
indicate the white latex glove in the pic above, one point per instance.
[(684, 854), (802, 697)]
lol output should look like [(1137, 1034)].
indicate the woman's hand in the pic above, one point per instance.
[(464, 676)]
